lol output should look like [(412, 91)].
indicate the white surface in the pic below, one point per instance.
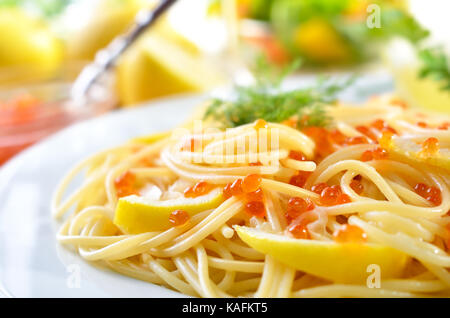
[(32, 264)]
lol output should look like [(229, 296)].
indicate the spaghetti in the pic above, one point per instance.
[(379, 176)]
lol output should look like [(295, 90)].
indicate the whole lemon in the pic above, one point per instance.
[(27, 41)]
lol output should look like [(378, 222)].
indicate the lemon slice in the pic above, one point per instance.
[(139, 214), (158, 67), (341, 263), (411, 151)]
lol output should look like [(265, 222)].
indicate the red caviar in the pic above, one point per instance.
[(333, 196), (343, 199), (422, 124), (255, 208), (297, 206), (124, 184), (300, 179), (430, 146), (357, 186), (444, 126), (179, 217), (200, 188), (376, 154), (368, 132), (251, 183), (233, 188), (297, 155), (255, 195), (321, 139), (260, 123), (350, 234), (431, 194), (318, 188), (337, 137), (299, 230), (329, 196)]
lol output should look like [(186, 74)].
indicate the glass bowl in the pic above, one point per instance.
[(51, 111)]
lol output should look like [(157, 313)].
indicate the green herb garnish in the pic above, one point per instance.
[(436, 66), (266, 100)]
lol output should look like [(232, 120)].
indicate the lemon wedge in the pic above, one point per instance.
[(139, 214), (341, 263), (409, 150), (158, 67)]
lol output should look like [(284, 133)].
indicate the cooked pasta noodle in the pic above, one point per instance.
[(371, 179)]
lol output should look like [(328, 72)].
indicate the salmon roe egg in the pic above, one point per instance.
[(357, 186), (200, 188), (421, 189), (251, 183), (380, 154), (233, 188), (124, 184), (350, 234), (329, 196), (318, 188), (300, 179), (298, 230), (255, 195), (422, 124), (367, 131), (297, 206), (178, 217), (430, 146), (444, 126), (343, 199), (297, 155), (367, 156), (434, 195), (431, 194), (337, 137), (255, 208), (260, 123), (376, 154)]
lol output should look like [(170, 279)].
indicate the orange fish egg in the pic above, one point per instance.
[(200, 188), (260, 123), (318, 188), (357, 186), (297, 155), (431, 194), (255, 208), (297, 206), (350, 234), (430, 146), (125, 184), (233, 188), (251, 183), (299, 231), (300, 179), (178, 217), (257, 195)]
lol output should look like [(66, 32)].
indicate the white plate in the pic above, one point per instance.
[(32, 264)]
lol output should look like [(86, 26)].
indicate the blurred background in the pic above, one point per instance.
[(200, 45)]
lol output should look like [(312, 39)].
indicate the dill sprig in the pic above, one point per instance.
[(266, 100), (435, 65)]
